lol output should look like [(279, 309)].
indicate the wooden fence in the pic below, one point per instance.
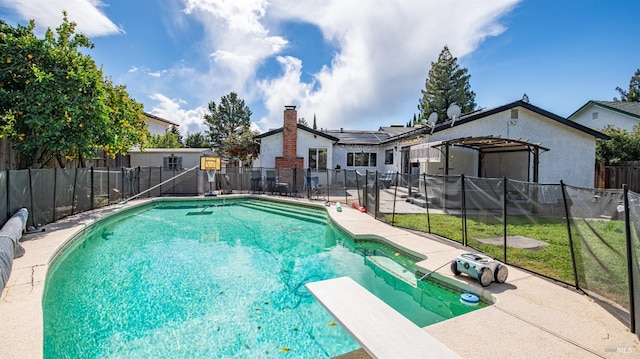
[(615, 176)]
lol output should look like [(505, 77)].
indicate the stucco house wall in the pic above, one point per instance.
[(599, 114), (572, 152), (571, 155), (154, 157), (158, 125)]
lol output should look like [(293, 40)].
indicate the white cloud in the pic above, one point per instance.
[(86, 13), (190, 121), (385, 53)]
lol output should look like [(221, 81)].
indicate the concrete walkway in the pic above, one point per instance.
[(532, 317)]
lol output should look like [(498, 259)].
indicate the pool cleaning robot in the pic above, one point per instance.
[(483, 268)]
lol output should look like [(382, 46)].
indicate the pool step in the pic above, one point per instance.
[(303, 213)]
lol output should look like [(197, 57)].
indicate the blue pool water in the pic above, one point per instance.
[(201, 280)]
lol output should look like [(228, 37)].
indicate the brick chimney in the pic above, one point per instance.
[(289, 157)]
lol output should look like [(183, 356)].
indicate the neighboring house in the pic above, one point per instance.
[(599, 114), (169, 158), (158, 125), (517, 140)]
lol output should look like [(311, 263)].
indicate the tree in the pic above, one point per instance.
[(196, 140), (243, 147), (127, 124), (168, 140), (446, 84), (315, 126), (303, 122), (623, 146), (229, 117), (633, 94), (176, 132), (55, 103)]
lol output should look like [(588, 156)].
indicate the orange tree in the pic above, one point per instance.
[(55, 103)]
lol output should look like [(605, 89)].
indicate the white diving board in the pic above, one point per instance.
[(379, 329)]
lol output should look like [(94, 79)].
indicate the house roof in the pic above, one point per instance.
[(394, 133), (488, 112), (351, 137), (172, 150), (301, 127), (160, 119), (628, 108), (396, 130)]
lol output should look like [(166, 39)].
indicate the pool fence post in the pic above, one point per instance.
[(365, 192), (571, 250), (55, 191), (33, 214), (327, 186), (426, 198), (121, 183), (73, 192), (630, 272), (463, 210), (357, 185), (395, 194), (108, 185), (345, 186), (504, 216), (92, 194), (377, 192)]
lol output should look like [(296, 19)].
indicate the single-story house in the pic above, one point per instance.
[(169, 158), (517, 140), (599, 114)]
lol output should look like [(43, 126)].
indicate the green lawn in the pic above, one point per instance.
[(599, 246)]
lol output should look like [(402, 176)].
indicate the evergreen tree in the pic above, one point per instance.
[(315, 127), (446, 84), (196, 140), (176, 132), (633, 94), (168, 140), (229, 117)]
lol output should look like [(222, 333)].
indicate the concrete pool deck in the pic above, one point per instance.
[(531, 317)]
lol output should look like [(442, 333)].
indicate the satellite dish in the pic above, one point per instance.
[(431, 121), (453, 111), (433, 118)]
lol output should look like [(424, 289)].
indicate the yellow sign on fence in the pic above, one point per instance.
[(209, 163)]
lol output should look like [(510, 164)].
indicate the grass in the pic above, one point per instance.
[(599, 246)]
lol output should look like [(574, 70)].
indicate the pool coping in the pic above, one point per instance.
[(531, 317)]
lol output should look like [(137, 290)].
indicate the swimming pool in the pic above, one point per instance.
[(218, 279)]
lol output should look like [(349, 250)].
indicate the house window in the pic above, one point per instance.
[(594, 116), (388, 157), (172, 162), (514, 113), (318, 158), (362, 159)]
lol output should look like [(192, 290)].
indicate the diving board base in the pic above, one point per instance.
[(379, 329)]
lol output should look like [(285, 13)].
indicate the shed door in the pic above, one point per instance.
[(513, 165)]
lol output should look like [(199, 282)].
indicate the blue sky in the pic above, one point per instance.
[(351, 63)]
